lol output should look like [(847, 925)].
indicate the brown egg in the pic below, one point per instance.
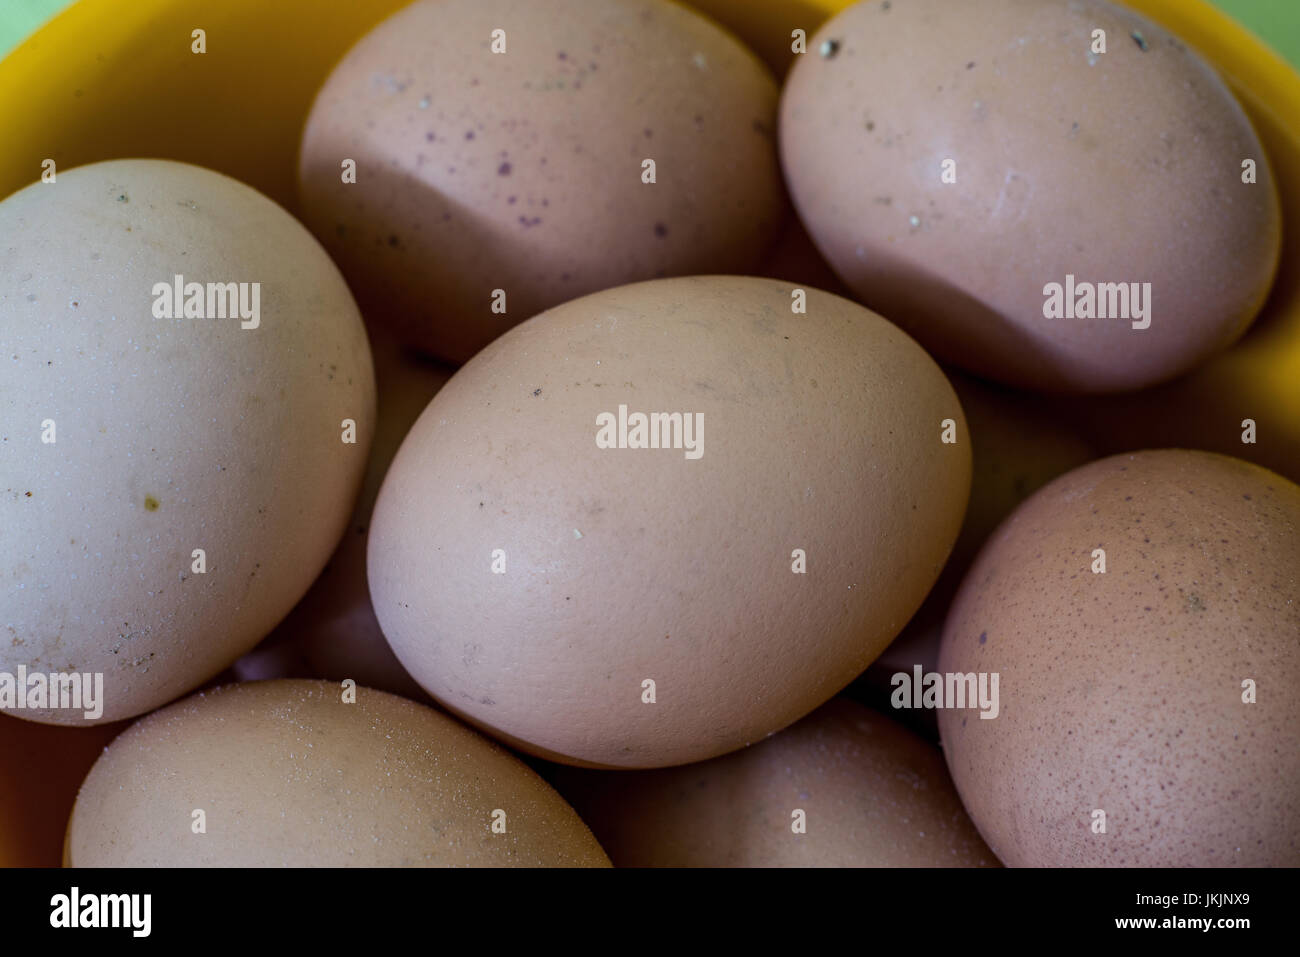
[(41, 767), (1016, 448), (845, 787), (646, 606), (1147, 712), (512, 155), (969, 169), (189, 399), (287, 773), (332, 633)]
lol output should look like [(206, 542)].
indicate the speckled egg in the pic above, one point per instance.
[(1143, 613), (844, 787), (1061, 196), (290, 773), (663, 521), (186, 404), (511, 155)]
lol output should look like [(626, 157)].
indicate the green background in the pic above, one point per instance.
[(1277, 22)]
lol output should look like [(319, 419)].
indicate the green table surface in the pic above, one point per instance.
[(1277, 22)]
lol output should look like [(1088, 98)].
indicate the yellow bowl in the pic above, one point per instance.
[(110, 79)]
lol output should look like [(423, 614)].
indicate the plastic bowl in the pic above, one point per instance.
[(107, 79)]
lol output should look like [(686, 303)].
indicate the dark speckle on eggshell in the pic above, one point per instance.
[(1118, 697)]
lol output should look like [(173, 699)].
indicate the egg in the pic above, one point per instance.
[(41, 767), (1016, 448), (600, 587), (1064, 197), (187, 400), (332, 633), (290, 773), (507, 156), (844, 787), (1142, 614)]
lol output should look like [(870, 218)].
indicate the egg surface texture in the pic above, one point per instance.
[(175, 469), (844, 787), (512, 155), (1143, 613), (289, 773), (1062, 196), (663, 521)]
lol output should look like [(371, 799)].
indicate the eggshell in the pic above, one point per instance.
[(287, 774), (169, 435), (1116, 167), (1158, 693), (1017, 447), (823, 432), (41, 767), (871, 795), (524, 171), (332, 633)]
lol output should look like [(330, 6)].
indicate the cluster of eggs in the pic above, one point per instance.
[(579, 232)]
